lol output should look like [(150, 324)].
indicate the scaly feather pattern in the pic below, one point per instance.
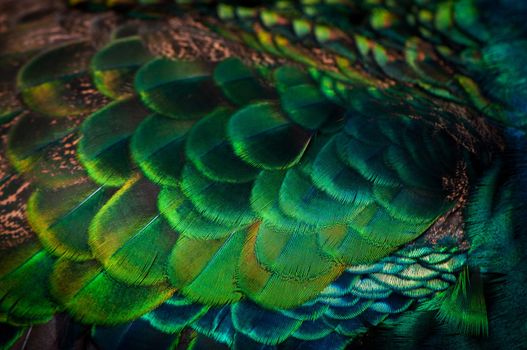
[(262, 175)]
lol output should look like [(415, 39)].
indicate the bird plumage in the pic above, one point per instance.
[(287, 175)]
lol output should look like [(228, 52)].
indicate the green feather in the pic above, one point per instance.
[(238, 83), (347, 245), (91, 296), (265, 202), (369, 129), (425, 63), (24, 274), (158, 147), (206, 270), (306, 106), (266, 286), (369, 160), (186, 219), (464, 307), (264, 138), (490, 218), (290, 254), (410, 204), (130, 238), (300, 199), (223, 203), (177, 89), (393, 65), (104, 146), (60, 218), (436, 160), (288, 76), (468, 18), (339, 181), (376, 225), (56, 81), (114, 66), (211, 153), (411, 173), (37, 147)]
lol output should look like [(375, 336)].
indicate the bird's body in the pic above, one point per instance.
[(288, 175)]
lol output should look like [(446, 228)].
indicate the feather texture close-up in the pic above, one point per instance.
[(263, 175)]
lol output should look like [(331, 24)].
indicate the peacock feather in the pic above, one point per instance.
[(262, 175)]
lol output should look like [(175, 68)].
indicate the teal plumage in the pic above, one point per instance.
[(262, 175)]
